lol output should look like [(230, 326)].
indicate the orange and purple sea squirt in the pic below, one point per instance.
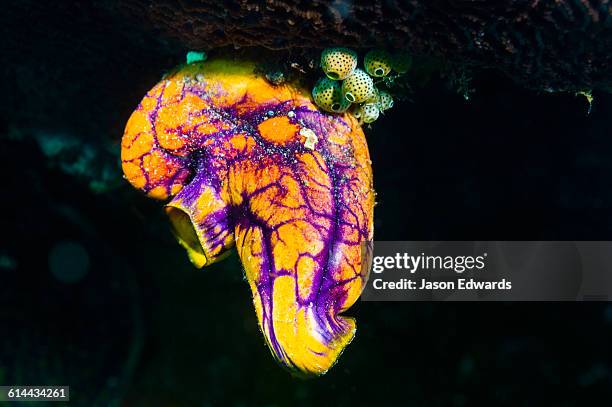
[(247, 163)]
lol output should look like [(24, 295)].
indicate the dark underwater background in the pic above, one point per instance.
[(96, 294)]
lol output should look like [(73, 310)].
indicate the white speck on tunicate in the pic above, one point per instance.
[(311, 138)]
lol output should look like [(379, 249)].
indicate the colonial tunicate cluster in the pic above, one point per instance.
[(347, 86)]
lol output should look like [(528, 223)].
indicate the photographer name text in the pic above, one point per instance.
[(455, 265)]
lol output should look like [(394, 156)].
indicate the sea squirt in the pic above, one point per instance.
[(247, 163)]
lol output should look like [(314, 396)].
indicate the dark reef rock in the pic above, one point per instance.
[(91, 51), (548, 45)]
